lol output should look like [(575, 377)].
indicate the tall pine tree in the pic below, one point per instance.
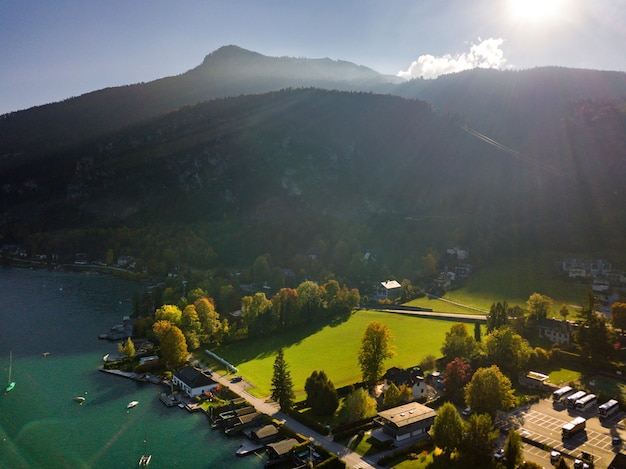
[(282, 385)]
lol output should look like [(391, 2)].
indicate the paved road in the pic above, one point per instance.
[(433, 314), (268, 407)]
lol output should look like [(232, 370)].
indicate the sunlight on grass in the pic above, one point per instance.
[(563, 376), (334, 349)]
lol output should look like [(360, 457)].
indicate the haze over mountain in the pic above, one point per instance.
[(277, 171)]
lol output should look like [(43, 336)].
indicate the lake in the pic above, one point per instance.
[(41, 426)]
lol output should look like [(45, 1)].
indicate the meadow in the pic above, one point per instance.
[(511, 280), (334, 348)]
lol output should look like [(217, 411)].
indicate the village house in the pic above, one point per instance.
[(279, 451), (389, 290), (556, 331), (403, 422), (411, 377), (265, 434), (193, 382)]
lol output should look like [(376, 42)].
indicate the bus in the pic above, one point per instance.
[(562, 393), (608, 408), (571, 428), (586, 402), (572, 398)]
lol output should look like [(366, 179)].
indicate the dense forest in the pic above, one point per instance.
[(353, 183)]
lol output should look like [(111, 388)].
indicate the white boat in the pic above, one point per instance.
[(79, 399), (145, 460), (131, 404)]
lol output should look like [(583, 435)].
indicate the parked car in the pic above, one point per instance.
[(498, 455), (554, 456), (466, 412), (236, 379), (579, 464)]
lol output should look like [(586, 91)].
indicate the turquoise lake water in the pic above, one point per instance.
[(40, 424)]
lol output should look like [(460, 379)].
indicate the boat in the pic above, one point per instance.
[(45, 354), (11, 384), (131, 404), (79, 399), (145, 460)]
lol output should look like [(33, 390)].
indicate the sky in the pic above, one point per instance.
[(53, 50)]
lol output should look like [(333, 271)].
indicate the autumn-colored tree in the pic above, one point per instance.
[(539, 306), (171, 313), (209, 318), (311, 300), (508, 350), (173, 344), (127, 348), (489, 391), (286, 305), (375, 349), (458, 373)]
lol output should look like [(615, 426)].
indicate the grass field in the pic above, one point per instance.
[(513, 281), (334, 349)]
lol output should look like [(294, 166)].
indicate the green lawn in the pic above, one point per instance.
[(513, 281), (564, 376), (334, 349)]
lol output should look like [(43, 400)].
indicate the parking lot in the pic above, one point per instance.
[(540, 424)]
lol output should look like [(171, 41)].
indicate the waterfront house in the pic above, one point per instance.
[(279, 451), (193, 381), (403, 422), (264, 435)]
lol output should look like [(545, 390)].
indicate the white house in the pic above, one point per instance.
[(193, 381), (390, 289)]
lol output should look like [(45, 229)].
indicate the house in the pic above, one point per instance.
[(240, 423), (279, 451), (193, 382), (390, 289), (264, 435), (411, 377), (403, 422), (461, 254), (534, 380), (556, 331)]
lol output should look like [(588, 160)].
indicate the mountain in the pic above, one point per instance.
[(503, 162), (229, 71)]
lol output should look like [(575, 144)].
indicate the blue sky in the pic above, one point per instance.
[(52, 50)]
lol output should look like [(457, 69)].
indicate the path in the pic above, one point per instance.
[(268, 407)]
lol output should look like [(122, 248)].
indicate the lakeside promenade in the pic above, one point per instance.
[(353, 460)]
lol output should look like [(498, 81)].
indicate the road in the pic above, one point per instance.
[(353, 460)]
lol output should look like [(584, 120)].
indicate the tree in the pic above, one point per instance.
[(564, 311), (529, 465), (171, 313), (513, 449), (209, 318), (459, 343), (321, 394), (191, 327), (282, 386), (458, 373), (357, 406), (508, 350), (392, 396), (127, 348), (173, 344), (260, 270), (448, 428), (489, 391), (479, 440), (430, 265), (477, 332), (311, 300), (375, 349), (618, 316), (286, 305), (561, 464), (539, 306), (498, 316), (429, 362)]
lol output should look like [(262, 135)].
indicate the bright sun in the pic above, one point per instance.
[(535, 10)]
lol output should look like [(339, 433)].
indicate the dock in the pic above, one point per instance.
[(249, 447)]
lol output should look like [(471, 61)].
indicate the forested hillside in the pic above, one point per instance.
[(502, 162)]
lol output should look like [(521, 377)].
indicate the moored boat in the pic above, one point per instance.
[(132, 404), (145, 460), (79, 399)]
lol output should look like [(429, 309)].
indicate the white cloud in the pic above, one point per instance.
[(486, 54)]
